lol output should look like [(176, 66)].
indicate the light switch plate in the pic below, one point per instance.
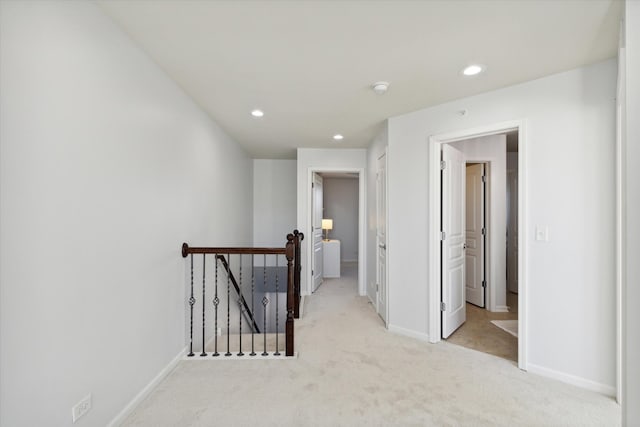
[(542, 233)]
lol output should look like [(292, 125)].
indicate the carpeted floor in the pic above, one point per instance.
[(352, 372)]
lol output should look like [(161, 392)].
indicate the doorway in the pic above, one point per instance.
[(447, 291), (336, 224)]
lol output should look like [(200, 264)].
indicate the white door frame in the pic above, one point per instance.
[(361, 225), (433, 187), (386, 232)]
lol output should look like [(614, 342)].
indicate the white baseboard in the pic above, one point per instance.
[(301, 307), (131, 406), (408, 333), (501, 309), (572, 379)]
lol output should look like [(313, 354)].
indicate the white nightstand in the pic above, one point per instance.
[(331, 266)]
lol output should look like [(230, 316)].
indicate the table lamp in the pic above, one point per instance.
[(327, 224)]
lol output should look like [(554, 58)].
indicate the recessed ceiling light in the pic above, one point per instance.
[(338, 137), (472, 70), (257, 113)]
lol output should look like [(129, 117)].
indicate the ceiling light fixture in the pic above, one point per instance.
[(338, 137), (257, 113), (380, 87), (472, 70)]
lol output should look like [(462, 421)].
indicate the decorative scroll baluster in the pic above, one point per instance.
[(253, 309), (240, 299), (228, 353), (265, 301), (192, 301), (204, 305), (277, 353), (216, 301)]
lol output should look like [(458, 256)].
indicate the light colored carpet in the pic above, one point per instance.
[(352, 372), (510, 326)]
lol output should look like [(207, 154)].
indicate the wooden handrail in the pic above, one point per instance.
[(186, 250)]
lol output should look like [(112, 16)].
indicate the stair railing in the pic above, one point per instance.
[(260, 284)]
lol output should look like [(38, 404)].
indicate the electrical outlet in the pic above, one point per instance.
[(81, 408)]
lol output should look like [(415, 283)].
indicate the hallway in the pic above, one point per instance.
[(351, 371)]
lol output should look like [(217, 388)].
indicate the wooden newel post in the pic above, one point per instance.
[(298, 237), (290, 295)]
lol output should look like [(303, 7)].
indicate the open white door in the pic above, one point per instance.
[(453, 227), (474, 234), (316, 224), (381, 233)]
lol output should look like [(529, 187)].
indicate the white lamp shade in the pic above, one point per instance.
[(327, 224)]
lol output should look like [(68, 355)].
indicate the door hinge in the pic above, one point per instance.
[(484, 283), (377, 287), (443, 164), (484, 178), (311, 273), (484, 231), (312, 185), (443, 306), (443, 235)]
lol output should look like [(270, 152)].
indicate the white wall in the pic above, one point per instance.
[(631, 319), (493, 149), (376, 149), (274, 201), (106, 167), (341, 204), (569, 151), (325, 160)]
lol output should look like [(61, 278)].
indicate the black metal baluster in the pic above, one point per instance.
[(216, 301), (240, 307), (192, 301), (277, 353), (253, 310), (265, 301), (228, 353), (204, 304)]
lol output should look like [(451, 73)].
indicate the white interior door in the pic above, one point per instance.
[(381, 233), (474, 235), (316, 228), (512, 231), (453, 227)]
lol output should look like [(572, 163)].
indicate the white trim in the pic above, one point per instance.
[(133, 404), (246, 356), (301, 307), (408, 333), (433, 187), (621, 228), (573, 380), (500, 309), (361, 224), (386, 228)]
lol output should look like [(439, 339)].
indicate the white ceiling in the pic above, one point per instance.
[(309, 64)]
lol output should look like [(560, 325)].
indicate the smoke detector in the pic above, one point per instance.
[(380, 87)]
